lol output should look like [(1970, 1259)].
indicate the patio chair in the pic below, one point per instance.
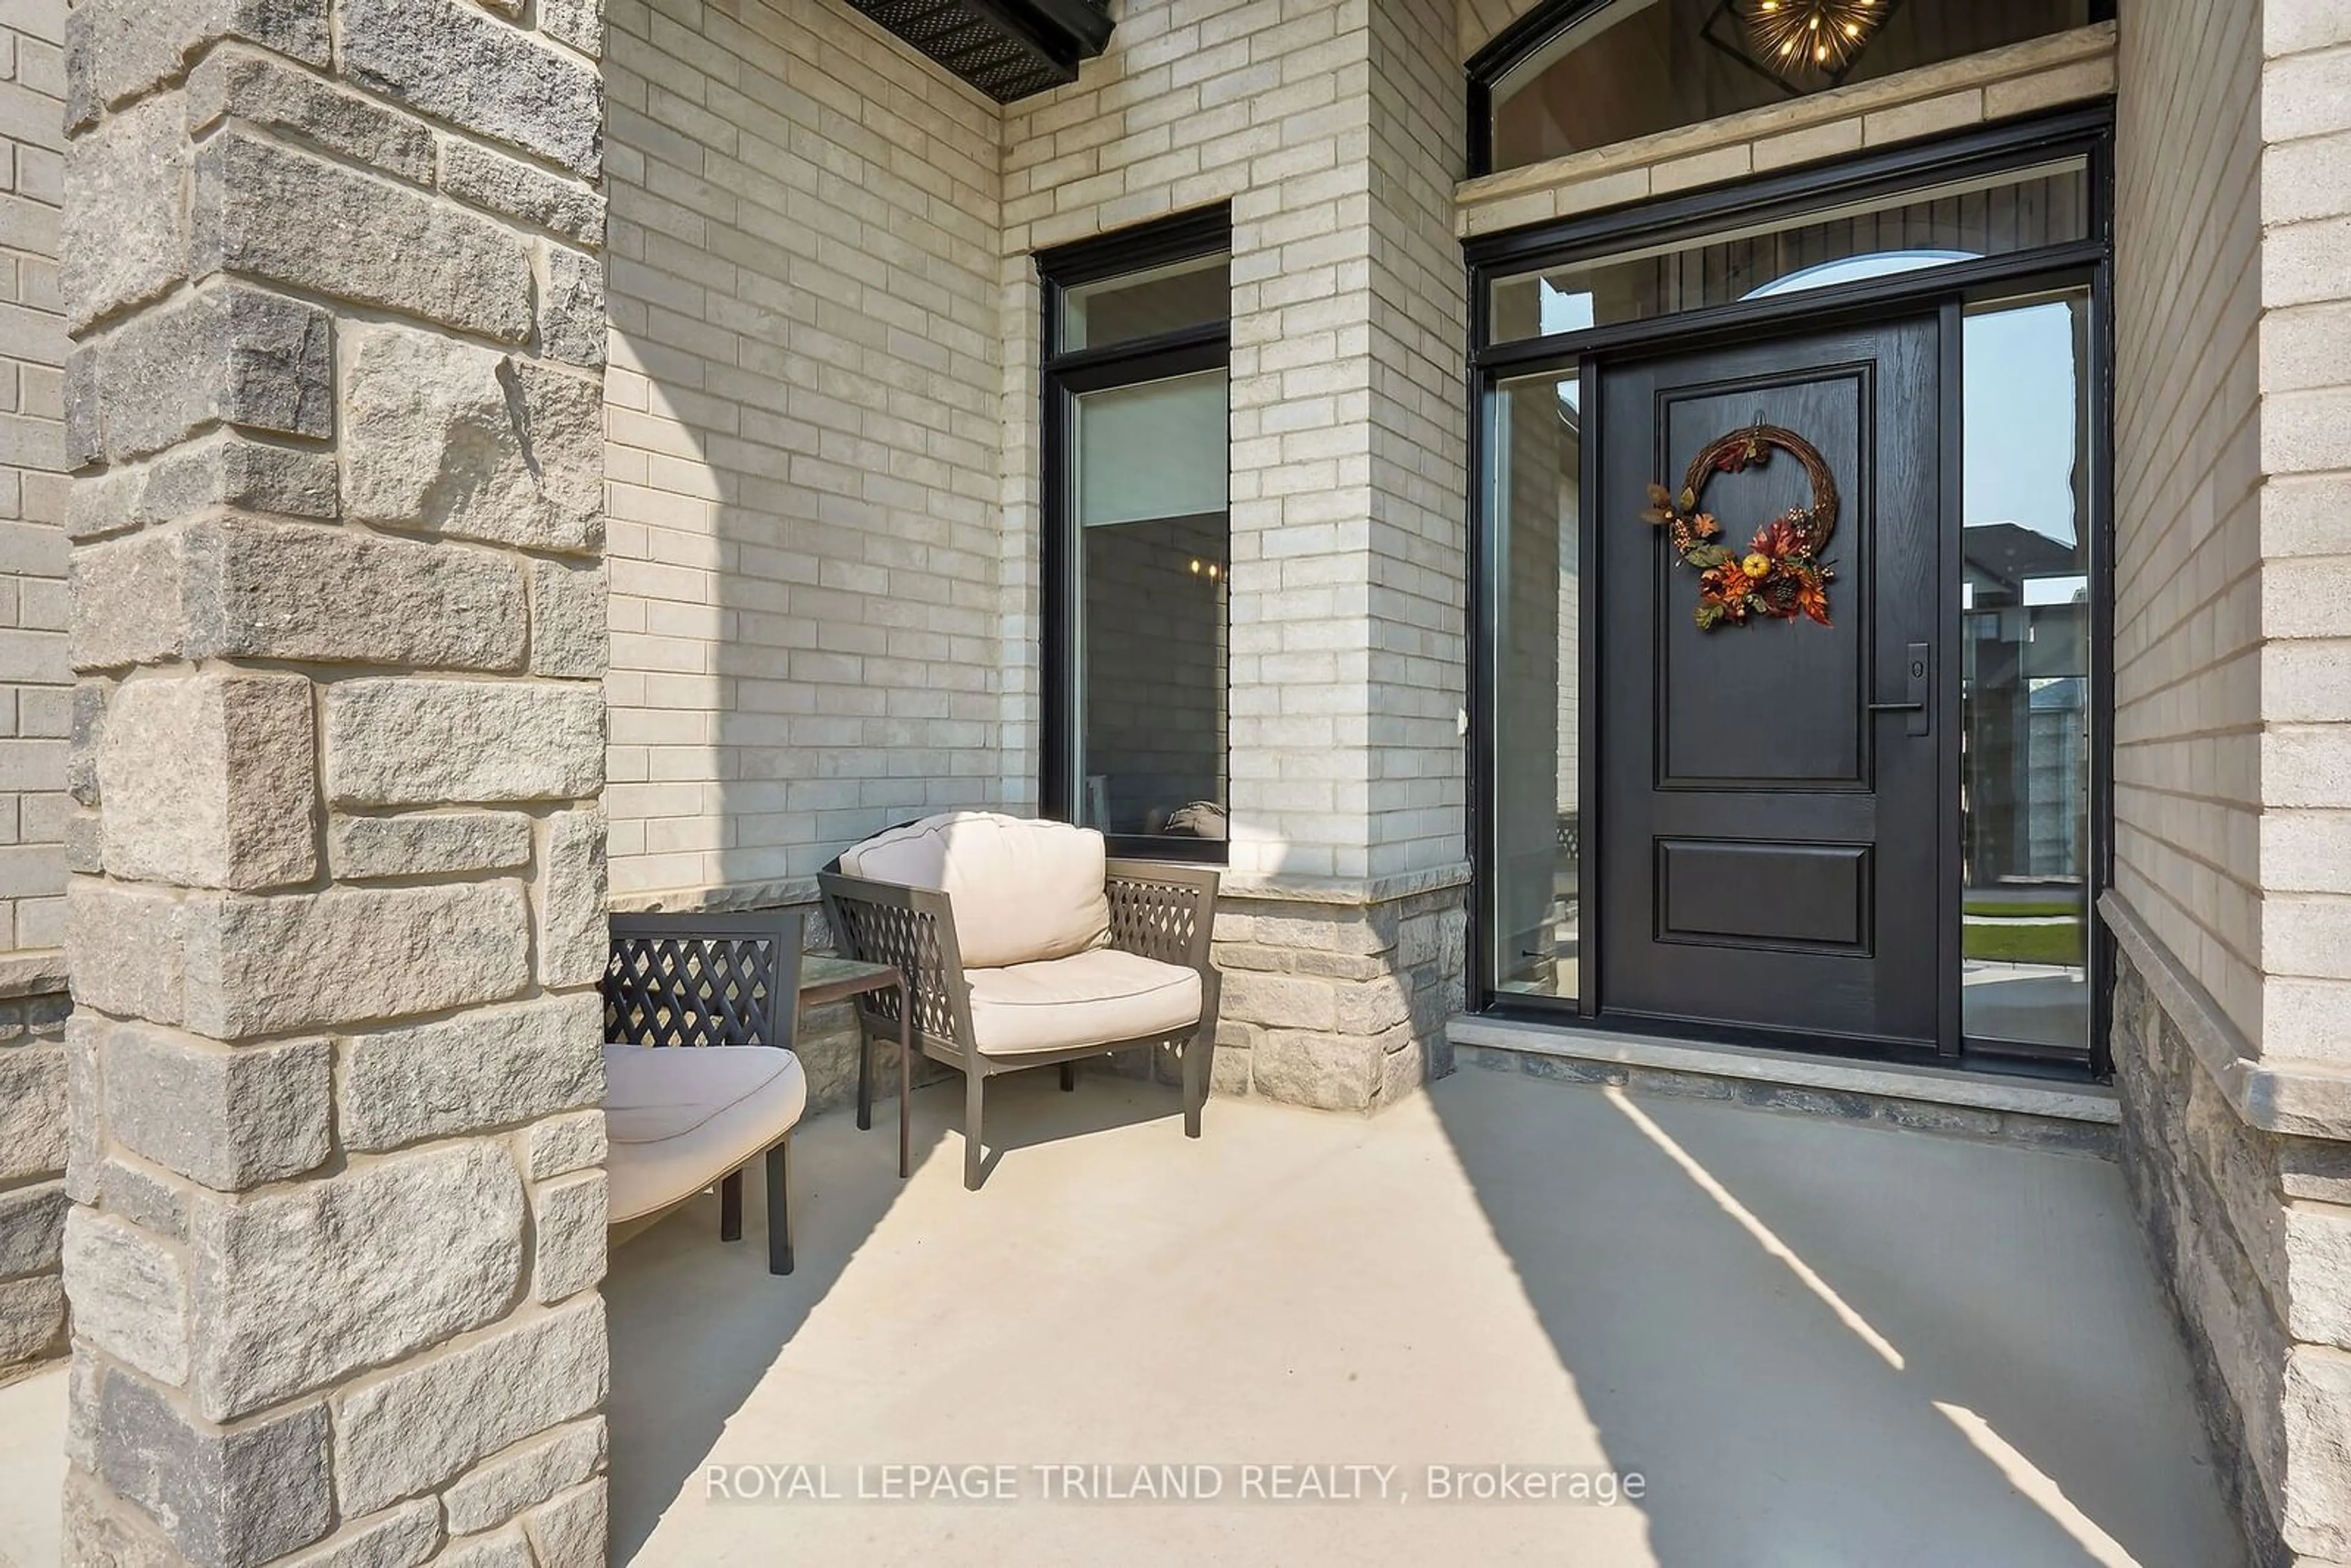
[(1023, 943), (700, 1076)]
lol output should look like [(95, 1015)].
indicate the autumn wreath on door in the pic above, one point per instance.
[(1782, 573)]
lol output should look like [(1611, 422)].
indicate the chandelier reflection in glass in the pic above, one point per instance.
[(1828, 33), (1804, 45)]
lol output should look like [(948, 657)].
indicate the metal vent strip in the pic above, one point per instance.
[(1009, 49)]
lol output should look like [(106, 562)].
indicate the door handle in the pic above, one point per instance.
[(1918, 666)]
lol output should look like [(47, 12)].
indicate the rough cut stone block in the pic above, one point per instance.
[(513, 89), (267, 212), (399, 1538), (569, 1532), (420, 1427), (579, 23), (116, 50), (571, 310), (32, 1318), (227, 352), (427, 843), (573, 941), (129, 1294), (312, 960), (32, 1111), (126, 597), (569, 621), (460, 439), (568, 1232), (89, 728), (1329, 1073), (505, 1549), (492, 1068), (126, 229), (2317, 1241), (211, 781), (327, 595), (84, 1117), (145, 1200), (472, 173), (498, 1491), (415, 742), (32, 1228), (2316, 1431), (563, 1144), (231, 1118), (252, 87), (298, 1288), (231, 1498), (127, 949), (219, 470)]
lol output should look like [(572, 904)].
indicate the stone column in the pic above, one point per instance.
[(338, 611), (1341, 930)]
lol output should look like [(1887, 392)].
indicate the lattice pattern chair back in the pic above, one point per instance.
[(907, 939), (703, 979), (1158, 919)]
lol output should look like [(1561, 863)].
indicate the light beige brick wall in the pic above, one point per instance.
[(804, 455), (1335, 132), (35, 696), (1477, 21), (2305, 448), (2188, 593)]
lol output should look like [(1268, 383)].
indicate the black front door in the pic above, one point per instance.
[(1772, 815)]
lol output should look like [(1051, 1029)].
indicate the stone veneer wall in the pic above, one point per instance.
[(2233, 826), (334, 1073)]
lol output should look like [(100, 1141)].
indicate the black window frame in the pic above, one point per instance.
[(2087, 130), (1538, 30), (1064, 374)]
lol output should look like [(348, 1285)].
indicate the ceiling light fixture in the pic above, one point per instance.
[(1825, 34), (1805, 44)]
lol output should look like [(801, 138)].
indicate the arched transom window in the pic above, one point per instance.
[(1580, 74)]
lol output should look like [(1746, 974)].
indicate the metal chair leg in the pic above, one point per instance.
[(779, 1207), (865, 1079), (1068, 1076), (974, 1081), (730, 1206), (905, 1075), (1195, 1080)]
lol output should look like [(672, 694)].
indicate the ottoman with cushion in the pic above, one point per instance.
[(699, 1073), (1023, 943)]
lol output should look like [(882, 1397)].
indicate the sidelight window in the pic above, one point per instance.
[(1138, 543)]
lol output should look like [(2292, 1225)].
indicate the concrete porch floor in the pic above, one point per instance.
[(1819, 1344)]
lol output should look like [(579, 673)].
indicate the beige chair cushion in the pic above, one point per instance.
[(1098, 997), (1023, 891), (680, 1118)]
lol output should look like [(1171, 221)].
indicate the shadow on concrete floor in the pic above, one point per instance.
[(1827, 1344), (1823, 1344)]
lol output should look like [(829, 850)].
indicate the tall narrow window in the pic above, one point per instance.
[(1138, 545), (2026, 675), (1535, 507)]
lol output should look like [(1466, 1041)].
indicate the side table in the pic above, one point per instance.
[(825, 979)]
